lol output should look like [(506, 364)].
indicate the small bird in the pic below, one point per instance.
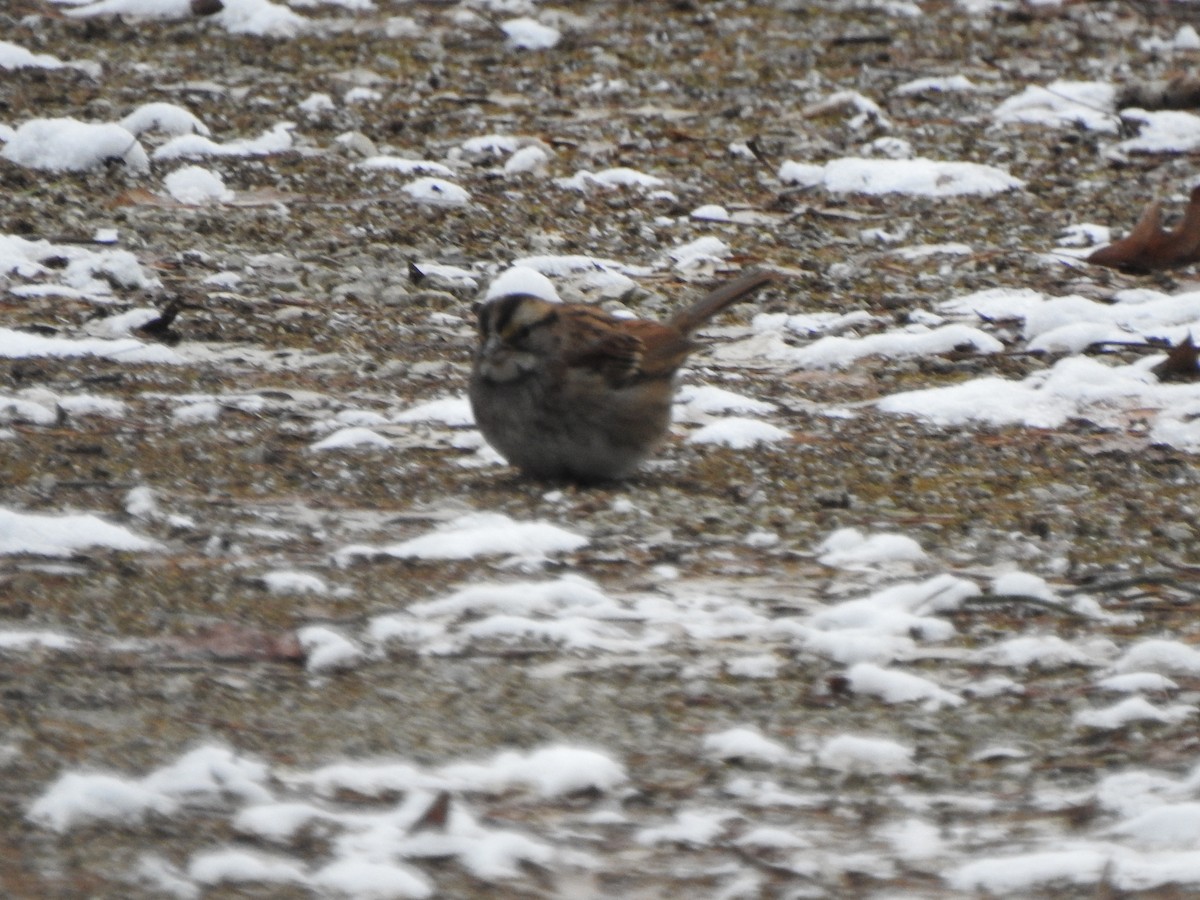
[(567, 391)]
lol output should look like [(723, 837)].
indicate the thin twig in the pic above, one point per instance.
[(1190, 568), (1120, 584), (1027, 600), (1140, 346)]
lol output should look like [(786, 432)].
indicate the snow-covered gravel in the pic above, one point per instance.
[(903, 609)]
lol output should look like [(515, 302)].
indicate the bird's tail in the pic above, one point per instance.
[(689, 319)]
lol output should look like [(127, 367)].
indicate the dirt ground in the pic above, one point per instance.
[(188, 646)]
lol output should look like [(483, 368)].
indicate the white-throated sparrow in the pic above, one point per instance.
[(564, 390)]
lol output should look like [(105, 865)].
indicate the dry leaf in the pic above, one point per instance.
[(235, 643), (242, 199), (1148, 247), (160, 329), (435, 817), (1181, 91), (1182, 362)]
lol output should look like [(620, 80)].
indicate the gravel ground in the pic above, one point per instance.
[(188, 647)]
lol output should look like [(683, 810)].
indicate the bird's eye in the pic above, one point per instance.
[(517, 335)]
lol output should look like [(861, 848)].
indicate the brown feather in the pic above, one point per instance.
[(604, 344), (663, 348), (688, 320)]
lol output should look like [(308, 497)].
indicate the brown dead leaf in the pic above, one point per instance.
[(839, 685), (235, 643), (1149, 248), (1182, 362), (161, 329), (1180, 91), (242, 199), (139, 197), (435, 817)]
